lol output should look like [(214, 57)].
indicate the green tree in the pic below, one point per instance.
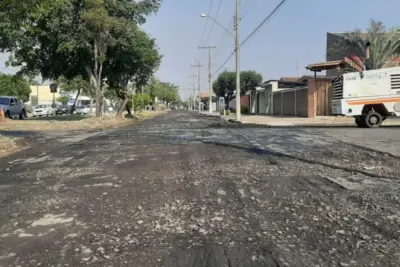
[(384, 45), (134, 59), (68, 37), (225, 84), (11, 85), (63, 99)]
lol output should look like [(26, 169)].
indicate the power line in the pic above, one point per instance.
[(226, 61), (205, 26), (248, 11), (252, 33), (262, 23), (216, 17)]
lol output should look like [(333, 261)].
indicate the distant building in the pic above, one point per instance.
[(41, 95)]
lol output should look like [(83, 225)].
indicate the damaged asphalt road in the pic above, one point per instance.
[(183, 190)]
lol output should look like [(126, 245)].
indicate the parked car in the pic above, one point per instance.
[(43, 110), (13, 107), (84, 110), (64, 109)]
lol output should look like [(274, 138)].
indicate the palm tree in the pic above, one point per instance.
[(384, 46)]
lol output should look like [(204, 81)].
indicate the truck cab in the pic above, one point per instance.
[(369, 96), (13, 107)]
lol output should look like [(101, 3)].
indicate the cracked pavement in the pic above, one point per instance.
[(189, 190)]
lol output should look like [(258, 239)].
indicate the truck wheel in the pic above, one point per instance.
[(22, 116), (360, 121), (373, 119), (8, 115)]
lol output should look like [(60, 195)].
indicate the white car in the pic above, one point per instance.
[(84, 110), (43, 110)]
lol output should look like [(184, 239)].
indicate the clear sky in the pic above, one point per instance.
[(295, 36)]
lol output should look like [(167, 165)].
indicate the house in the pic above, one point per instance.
[(264, 99), (331, 39), (306, 96)]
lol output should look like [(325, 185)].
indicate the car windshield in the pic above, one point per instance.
[(41, 106), (4, 101)]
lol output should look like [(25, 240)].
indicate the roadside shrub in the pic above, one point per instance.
[(244, 110), (227, 112)]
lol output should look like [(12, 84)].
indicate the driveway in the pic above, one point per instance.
[(189, 190)]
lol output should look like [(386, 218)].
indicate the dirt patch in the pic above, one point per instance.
[(108, 122), (11, 145)]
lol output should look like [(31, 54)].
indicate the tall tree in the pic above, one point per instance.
[(225, 84), (68, 37), (384, 48), (133, 60)]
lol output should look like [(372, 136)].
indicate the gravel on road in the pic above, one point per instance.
[(188, 190)]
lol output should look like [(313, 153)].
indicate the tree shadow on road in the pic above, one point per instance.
[(61, 118), (267, 152)]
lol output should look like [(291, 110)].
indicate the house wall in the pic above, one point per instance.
[(277, 104), (302, 102), (253, 102), (244, 101), (262, 106)]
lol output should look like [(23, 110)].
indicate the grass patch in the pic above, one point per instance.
[(9, 145), (74, 122)]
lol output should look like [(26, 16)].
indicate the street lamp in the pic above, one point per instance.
[(236, 37)]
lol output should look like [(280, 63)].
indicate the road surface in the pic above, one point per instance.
[(187, 190)]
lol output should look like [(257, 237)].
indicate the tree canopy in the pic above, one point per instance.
[(384, 45), (164, 91), (11, 85), (225, 84), (89, 38)]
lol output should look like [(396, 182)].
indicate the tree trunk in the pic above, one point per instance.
[(76, 99), (91, 104), (133, 103), (226, 99), (128, 109), (123, 106)]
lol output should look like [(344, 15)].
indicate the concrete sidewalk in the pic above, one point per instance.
[(279, 121)]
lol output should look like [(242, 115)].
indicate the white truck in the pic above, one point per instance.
[(370, 96)]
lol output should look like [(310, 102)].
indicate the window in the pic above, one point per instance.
[(12, 102), (4, 101)]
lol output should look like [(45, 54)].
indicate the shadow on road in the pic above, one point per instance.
[(267, 152), (61, 118)]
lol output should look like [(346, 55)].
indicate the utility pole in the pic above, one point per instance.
[(209, 77), (237, 48), (198, 66), (194, 89)]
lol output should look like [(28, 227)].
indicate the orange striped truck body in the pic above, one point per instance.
[(373, 92)]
